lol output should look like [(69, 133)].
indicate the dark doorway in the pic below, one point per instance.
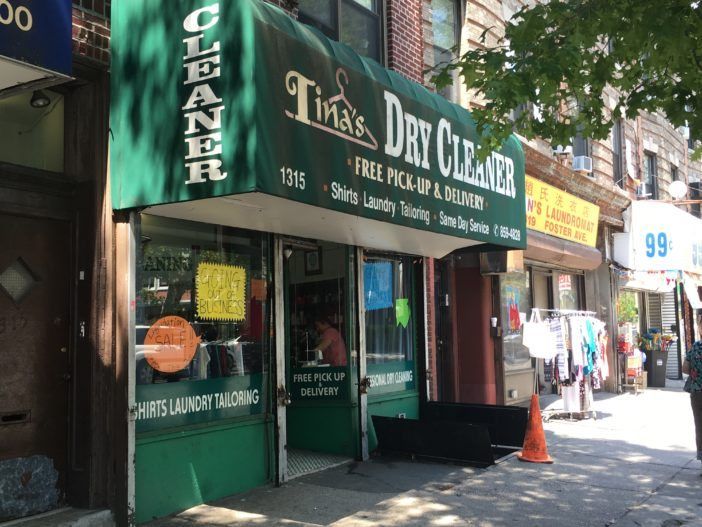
[(444, 332), (35, 262)]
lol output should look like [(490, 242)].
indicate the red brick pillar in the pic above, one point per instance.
[(430, 332), (404, 36)]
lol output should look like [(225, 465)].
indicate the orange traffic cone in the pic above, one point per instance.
[(534, 449)]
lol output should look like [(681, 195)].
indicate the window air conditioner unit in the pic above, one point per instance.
[(643, 190), (582, 164), (560, 150)]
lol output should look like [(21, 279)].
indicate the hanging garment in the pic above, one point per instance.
[(200, 363), (216, 366), (590, 346), (576, 341), (555, 326)]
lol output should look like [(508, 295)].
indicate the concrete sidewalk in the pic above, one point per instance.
[(633, 465)]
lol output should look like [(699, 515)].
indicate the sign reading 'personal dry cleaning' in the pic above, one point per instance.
[(250, 101)]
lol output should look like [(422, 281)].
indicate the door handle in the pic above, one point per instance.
[(284, 398), (66, 377), (363, 385)]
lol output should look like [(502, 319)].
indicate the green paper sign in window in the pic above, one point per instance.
[(402, 311), (226, 98)]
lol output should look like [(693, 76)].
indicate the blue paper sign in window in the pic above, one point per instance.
[(377, 285)]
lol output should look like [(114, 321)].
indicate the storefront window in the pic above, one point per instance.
[(389, 322), (516, 306), (201, 319), (568, 291)]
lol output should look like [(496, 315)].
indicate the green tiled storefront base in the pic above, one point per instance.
[(390, 406), (182, 469)]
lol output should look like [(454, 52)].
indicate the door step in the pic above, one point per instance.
[(66, 517), (301, 462)]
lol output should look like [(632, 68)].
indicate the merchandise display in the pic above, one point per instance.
[(573, 345)]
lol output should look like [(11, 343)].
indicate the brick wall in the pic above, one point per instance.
[(404, 37), (91, 30), (430, 330)]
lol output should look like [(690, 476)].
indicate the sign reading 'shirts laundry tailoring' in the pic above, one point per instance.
[(240, 98), (173, 404)]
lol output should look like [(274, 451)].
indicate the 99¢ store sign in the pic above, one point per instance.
[(664, 238)]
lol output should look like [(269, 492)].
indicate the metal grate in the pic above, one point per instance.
[(17, 280), (301, 462)]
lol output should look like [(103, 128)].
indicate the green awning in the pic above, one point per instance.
[(236, 113)]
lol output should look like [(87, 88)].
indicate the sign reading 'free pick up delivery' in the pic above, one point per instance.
[(226, 98)]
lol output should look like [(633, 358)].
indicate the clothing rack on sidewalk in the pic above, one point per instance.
[(576, 389)]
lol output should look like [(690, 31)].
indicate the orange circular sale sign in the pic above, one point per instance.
[(170, 344)]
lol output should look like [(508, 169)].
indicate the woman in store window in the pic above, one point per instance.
[(331, 343), (693, 367)]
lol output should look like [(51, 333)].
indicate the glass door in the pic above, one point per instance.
[(320, 337)]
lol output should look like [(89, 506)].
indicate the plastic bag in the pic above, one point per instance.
[(537, 337)]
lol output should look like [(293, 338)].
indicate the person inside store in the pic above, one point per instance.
[(330, 342), (693, 368)]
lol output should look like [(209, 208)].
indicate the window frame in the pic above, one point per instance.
[(650, 172), (618, 153), (450, 92), (334, 33)]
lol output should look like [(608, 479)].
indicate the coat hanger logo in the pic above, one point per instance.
[(335, 115)]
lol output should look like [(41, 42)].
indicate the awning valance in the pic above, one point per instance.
[(649, 281), (545, 248), (235, 104)]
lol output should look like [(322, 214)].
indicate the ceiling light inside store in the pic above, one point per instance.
[(39, 99)]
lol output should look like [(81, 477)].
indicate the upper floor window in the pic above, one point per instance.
[(356, 23), (446, 28), (674, 173), (617, 154), (650, 175), (581, 145)]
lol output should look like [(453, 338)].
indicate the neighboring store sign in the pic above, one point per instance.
[(172, 404), (261, 105), (37, 32), (221, 292), (659, 237), (555, 212), (319, 383)]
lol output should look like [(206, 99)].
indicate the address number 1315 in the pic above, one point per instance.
[(293, 178)]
